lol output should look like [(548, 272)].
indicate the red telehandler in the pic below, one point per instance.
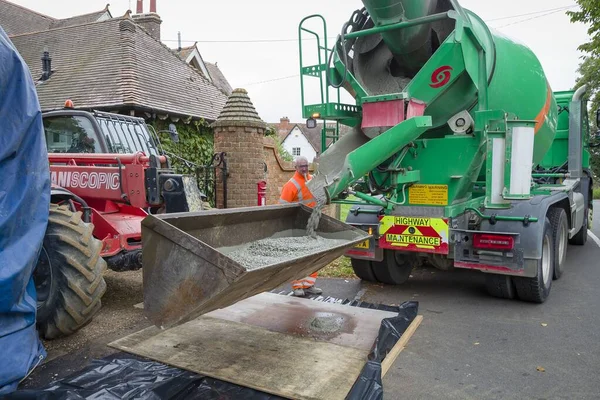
[(108, 172)]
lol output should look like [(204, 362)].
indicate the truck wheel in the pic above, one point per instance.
[(560, 231), (394, 269), (538, 288), (363, 269), (69, 275), (580, 237), (500, 286)]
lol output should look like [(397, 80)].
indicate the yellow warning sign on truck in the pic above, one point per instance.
[(420, 234), (429, 195)]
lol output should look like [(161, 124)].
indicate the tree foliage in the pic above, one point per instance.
[(589, 73), (589, 13), (589, 69)]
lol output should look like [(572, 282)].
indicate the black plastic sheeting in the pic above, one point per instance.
[(125, 376), (369, 385)]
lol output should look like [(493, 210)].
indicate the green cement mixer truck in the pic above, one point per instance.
[(460, 156)]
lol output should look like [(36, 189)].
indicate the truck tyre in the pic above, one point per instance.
[(69, 274), (363, 269), (538, 288), (501, 286), (580, 237), (560, 231), (395, 268)]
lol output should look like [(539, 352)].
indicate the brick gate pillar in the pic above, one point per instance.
[(239, 132)]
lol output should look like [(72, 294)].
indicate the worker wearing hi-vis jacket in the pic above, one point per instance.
[(295, 191)]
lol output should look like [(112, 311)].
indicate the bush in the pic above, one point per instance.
[(283, 153), (196, 144), (192, 154)]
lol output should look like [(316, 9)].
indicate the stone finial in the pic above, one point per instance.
[(239, 111)]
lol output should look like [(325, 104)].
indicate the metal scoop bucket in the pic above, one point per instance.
[(187, 273)]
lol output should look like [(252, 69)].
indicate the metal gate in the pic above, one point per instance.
[(212, 176)]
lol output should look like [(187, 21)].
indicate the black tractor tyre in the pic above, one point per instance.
[(537, 289), (580, 237), (560, 231), (363, 269), (69, 275), (395, 268), (501, 286)]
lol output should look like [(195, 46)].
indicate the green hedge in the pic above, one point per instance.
[(196, 146), (196, 143)]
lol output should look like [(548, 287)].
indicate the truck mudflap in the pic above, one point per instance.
[(489, 251), (416, 234)]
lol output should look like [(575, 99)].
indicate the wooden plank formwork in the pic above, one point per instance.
[(243, 344)]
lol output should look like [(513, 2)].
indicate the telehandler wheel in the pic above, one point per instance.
[(580, 237), (560, 231), (394, 269), (500, 286), (538, 288), (363, 269), (69, 275)]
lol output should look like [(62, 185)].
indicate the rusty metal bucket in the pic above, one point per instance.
[(185, 275)]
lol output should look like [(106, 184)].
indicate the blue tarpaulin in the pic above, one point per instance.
[(24, 198)]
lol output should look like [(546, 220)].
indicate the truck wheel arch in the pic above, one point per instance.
[(530, 235)]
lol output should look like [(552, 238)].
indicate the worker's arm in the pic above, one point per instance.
[(289, 194)]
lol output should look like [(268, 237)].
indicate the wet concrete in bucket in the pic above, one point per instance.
[(285, 246), (274, 250)]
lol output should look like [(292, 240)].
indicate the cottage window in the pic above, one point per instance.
[(295, 151)]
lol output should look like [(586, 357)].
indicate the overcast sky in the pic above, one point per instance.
[(268, 70)]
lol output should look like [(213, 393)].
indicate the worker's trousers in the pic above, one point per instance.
[(305, 283)]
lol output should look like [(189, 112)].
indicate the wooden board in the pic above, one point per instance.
[(293, 316), (400, 344), (254, 357), (264, 342)]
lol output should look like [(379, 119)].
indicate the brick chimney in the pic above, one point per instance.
[(284, 125), (149, 21)]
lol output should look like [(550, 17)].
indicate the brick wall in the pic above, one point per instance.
[(244, 154)]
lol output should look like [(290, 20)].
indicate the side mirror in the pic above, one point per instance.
[(173, 133), (311, 123)]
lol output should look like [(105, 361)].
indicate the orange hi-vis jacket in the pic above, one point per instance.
[(295, 191)]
